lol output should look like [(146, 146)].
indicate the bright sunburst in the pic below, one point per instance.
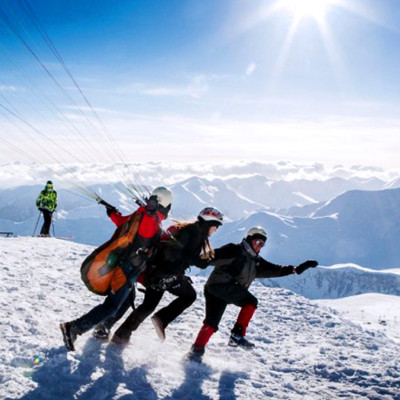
[(300, 9), (306, 17)]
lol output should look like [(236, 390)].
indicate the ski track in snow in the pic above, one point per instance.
[(303, 351)]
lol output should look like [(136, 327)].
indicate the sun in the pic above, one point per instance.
[(300, 9)]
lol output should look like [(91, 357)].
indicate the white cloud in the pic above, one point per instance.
[(174, 137), (156, 172), (250, 68), (7, 88), (165, 91), (196, 87)]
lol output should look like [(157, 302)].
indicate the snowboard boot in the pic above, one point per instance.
[(101, 332), (195, 354), (69, 335), (159, 327)]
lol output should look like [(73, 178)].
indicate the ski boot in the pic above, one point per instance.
[(236, 340), (69, 335), (101, 332)]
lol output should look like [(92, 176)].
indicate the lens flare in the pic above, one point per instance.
[(37, 360)]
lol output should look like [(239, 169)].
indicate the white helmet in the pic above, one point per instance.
[(164, 196), (256, 232), (211, 214)]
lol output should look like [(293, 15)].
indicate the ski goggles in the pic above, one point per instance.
[(259, 242), (211, 214)]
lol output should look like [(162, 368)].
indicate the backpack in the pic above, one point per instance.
[(98, 269)]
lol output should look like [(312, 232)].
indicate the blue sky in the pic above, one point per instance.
[(202, 80)]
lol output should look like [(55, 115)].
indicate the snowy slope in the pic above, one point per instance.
[(303, 351), (372, 310)]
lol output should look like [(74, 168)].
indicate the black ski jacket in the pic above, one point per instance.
[(239, 263), (177, 254)]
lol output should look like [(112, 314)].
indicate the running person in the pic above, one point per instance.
[(144, 226), (166, 272), (236, 267)]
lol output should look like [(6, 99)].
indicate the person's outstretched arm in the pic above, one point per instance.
[(305, 265)]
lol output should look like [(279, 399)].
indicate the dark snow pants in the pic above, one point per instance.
[(219, 295), (128, 303), (185, 293), (47, 222), (111, 307)]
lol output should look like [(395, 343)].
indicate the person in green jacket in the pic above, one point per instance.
[(46, 204)]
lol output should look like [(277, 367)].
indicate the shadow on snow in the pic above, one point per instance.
[(100, 375)]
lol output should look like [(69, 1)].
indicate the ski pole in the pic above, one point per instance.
[(33, 234)]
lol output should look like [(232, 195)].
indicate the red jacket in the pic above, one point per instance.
[(147, 237), (149, 226)]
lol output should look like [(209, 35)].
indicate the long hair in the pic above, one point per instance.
[(207, 252)]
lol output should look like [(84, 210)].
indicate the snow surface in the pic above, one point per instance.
[(372, 310), (303, 350)]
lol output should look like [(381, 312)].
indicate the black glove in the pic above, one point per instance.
[(305, 265), (110, 209)]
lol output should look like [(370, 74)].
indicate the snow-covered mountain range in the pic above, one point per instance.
[(341, 281), (354, 226), (303, 350), (358, 226), (337, 281)]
